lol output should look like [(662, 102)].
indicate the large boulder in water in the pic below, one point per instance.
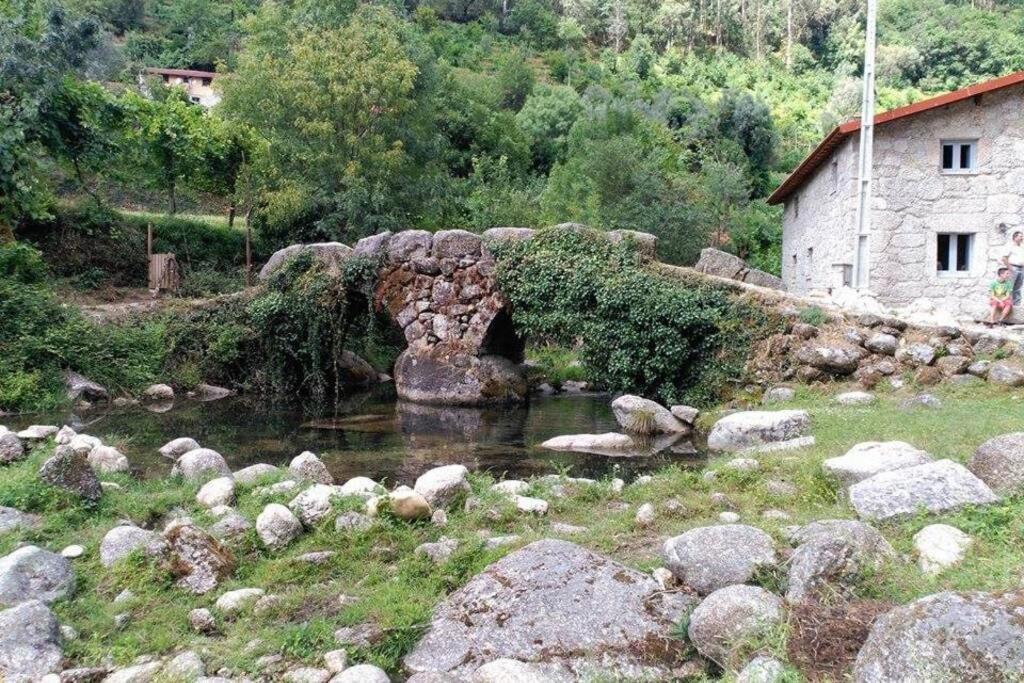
[(353, 370), (29, 643), (558, 605), (80, 387), (456, 379), (946, 638), (712, 557), (31, 573), (999, 462), (753, 428), (643, 416)]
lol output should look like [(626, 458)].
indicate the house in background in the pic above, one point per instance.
[(198, 84), (948, 192)]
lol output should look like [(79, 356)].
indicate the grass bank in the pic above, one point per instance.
[(91, 248), (387, 584)]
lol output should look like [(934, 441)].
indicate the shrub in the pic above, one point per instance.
[(40, 337), (638, 331)]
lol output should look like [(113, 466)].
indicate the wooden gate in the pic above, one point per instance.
[(163, 272)]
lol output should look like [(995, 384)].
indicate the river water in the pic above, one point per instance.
[(370, 434)]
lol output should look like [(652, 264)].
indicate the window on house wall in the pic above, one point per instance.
[(834, 176), (959, 156), (206, 81), (954, 252), (796, 206), (195, 100), (809, 265)]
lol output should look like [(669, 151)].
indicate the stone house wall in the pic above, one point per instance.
[(913, 201), (820, 233)]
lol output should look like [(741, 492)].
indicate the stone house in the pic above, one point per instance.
[(948, 192), (198, 84)]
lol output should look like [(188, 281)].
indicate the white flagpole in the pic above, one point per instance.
[(867, 139)]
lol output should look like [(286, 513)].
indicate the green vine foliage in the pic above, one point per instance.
[(287, 340), (636, 330)]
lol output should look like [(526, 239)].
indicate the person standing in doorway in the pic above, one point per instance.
[(1013, 258)]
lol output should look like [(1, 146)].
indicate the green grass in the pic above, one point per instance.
[(556, 364), (398, 590), (214, 220)]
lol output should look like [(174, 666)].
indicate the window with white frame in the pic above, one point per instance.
[(954, 251), (959, 156)]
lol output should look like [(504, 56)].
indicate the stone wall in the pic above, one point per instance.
[(722, 264), (822, 232), (913, 201), (440, 291), (871, 350)]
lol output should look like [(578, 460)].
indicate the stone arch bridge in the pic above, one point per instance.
[(440, 290)]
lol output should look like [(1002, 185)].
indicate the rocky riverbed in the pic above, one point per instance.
[(819, 535)]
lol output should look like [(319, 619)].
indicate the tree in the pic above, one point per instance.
[(169, 142), (32, 77), (724, 189), (228, 153), (515, 80), (82, 129), (641, 56), (617, 25), (748, 121), (349, 120), (547, 117)]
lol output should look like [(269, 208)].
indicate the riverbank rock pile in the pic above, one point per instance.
[(157, 398), (871, 349)]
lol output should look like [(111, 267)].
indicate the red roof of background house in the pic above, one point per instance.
[(843, 131), (184, 73)]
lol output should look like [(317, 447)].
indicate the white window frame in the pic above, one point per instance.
[(952, 251), (957, 152)]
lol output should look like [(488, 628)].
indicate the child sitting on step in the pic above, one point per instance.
[(1000, 299)]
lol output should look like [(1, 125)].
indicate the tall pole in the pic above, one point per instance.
[(865, 157)]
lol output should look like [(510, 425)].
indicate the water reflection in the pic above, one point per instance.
[(372, 434)]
